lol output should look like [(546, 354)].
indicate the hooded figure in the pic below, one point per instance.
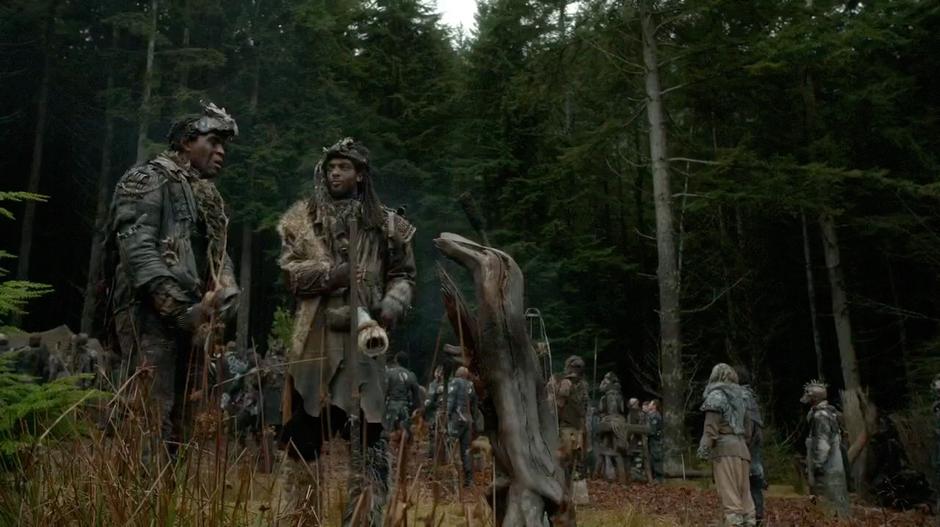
[(724, 442), (824, 466), (315, 241)]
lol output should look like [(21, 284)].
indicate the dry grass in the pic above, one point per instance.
[(628, 516), (108, 479)]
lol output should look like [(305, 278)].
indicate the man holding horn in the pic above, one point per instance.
[(349, 262)]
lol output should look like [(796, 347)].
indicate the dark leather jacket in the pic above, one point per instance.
[(162, 241)]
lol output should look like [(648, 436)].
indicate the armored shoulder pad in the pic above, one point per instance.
[(715, 401), (398, 228), (140, 180)]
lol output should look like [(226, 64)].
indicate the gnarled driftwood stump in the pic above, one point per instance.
[(532, 482)]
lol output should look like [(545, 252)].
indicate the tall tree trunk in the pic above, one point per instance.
[(859, 413), (670, 358), (101, 208), (144, 118), (243, 323), (39, 136), (242, 327), (811, 294), (840, 304)]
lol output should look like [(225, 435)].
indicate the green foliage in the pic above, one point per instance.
[(777, 110), (18, 197), (15, 294), (31, 412), (780, 459), (282, 327)]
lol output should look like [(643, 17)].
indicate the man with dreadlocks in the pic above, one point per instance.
[(824, 467), (319, 399), (724, 442), (172, 273)]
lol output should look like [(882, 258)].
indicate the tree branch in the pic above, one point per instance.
[(636, 67), (674, 88), (717, 297), (691, 160)]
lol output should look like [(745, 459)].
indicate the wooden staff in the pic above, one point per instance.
[(357, 440)]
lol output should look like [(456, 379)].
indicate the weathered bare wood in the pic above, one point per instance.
[(840, 303), (531, 485), (811, 295)]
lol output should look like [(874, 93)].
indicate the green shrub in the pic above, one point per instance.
[(779, 456), (31, 412), (281, 327)]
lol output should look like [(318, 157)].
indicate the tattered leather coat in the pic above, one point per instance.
[(313, 244), (161, 240)]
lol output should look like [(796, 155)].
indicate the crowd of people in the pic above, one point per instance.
[(80, 356), (732, 439), (349, 262), (622, 440), (607, 437), (610, 437)]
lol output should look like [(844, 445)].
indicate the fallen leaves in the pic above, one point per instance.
[(691, 503)]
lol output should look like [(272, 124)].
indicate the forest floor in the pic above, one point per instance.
[(676, 502), (685, 503), (58, 488)]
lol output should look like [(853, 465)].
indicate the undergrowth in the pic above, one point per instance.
[(33, 413)]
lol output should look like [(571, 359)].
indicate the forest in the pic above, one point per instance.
[(682, 182)]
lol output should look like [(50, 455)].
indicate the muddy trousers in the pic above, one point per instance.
[(169, 365), (734, 489)]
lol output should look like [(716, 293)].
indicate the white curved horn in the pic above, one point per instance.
[(372, 339)]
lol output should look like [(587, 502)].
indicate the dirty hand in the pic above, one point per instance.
[(391, 311), (339, 277)]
